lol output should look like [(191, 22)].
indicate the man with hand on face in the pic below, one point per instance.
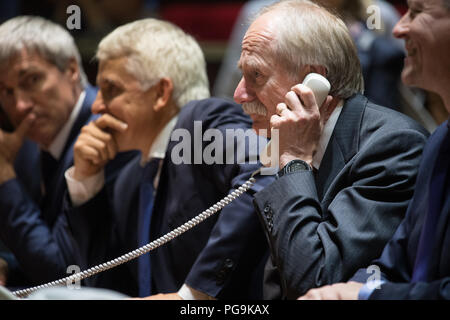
[(151, 77), (415, 263), (348, 167), (47, 98)]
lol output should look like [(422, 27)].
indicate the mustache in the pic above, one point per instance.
[(254, 107)]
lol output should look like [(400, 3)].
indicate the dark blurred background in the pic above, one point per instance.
[(212, 23)]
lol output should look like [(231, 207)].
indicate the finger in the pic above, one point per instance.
[(306, 96), (93, 130), (293, 102), (281, 107), (310, 295), (99, 145), (275, 121), (90, 153), (107, 121), (107, 138), (91, 142), (25, 126)]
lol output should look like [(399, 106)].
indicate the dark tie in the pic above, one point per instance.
[(48, 169), (437, 190), (146, 198)]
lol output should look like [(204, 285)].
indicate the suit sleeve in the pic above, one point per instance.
[(393, 262), (43, 252), (92, 223), (314, 245), (435, 290), (236, 244), (95, 232)]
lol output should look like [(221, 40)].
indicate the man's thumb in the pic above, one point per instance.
[(24, 126)]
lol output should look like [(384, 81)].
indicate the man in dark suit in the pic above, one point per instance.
[(415, 263), (150, 101), (347, 171), (47, 99)]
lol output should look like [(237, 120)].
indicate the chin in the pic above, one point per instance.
[(40, 137)]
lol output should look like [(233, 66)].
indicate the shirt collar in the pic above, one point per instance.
[(57, 146), (159, 146), (326, 135)]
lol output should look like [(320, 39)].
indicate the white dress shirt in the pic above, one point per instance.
[(326, 135)]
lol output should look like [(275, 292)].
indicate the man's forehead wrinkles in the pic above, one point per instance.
[(257, 39)]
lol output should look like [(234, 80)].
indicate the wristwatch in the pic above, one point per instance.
[(294, 166)]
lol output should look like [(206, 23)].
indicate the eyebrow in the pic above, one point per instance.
[(413, 2), (108, 81), (27, 70), (250, 63)]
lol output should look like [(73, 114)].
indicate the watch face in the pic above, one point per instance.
[(297, 166)]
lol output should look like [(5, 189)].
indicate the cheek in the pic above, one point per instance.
[(270, 102), (55, 101)]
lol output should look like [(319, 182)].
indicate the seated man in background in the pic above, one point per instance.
[(154, 91), (415, 263), (46, 96), (347, 169)]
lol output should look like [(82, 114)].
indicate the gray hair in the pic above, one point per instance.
[(157, 49), (48, 39), (308, 34)]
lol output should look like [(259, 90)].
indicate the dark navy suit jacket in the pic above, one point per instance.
[(224, 255), (35, 230), (397, 260)]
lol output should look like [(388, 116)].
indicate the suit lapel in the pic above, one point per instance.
[(82, 118), (442, 223), (343, 143)]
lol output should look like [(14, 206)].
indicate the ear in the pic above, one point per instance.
[(318, 69), (163, 93), (73, 71)]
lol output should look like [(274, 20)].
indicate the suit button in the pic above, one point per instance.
[(220, 277), (266, 209), (225, 269), (229, 264)]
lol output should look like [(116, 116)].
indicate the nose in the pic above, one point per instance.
[(99, 107), (242, 93), (402, 27), (23, 101)]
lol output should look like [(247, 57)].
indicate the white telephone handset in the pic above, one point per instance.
[(320, 86)]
